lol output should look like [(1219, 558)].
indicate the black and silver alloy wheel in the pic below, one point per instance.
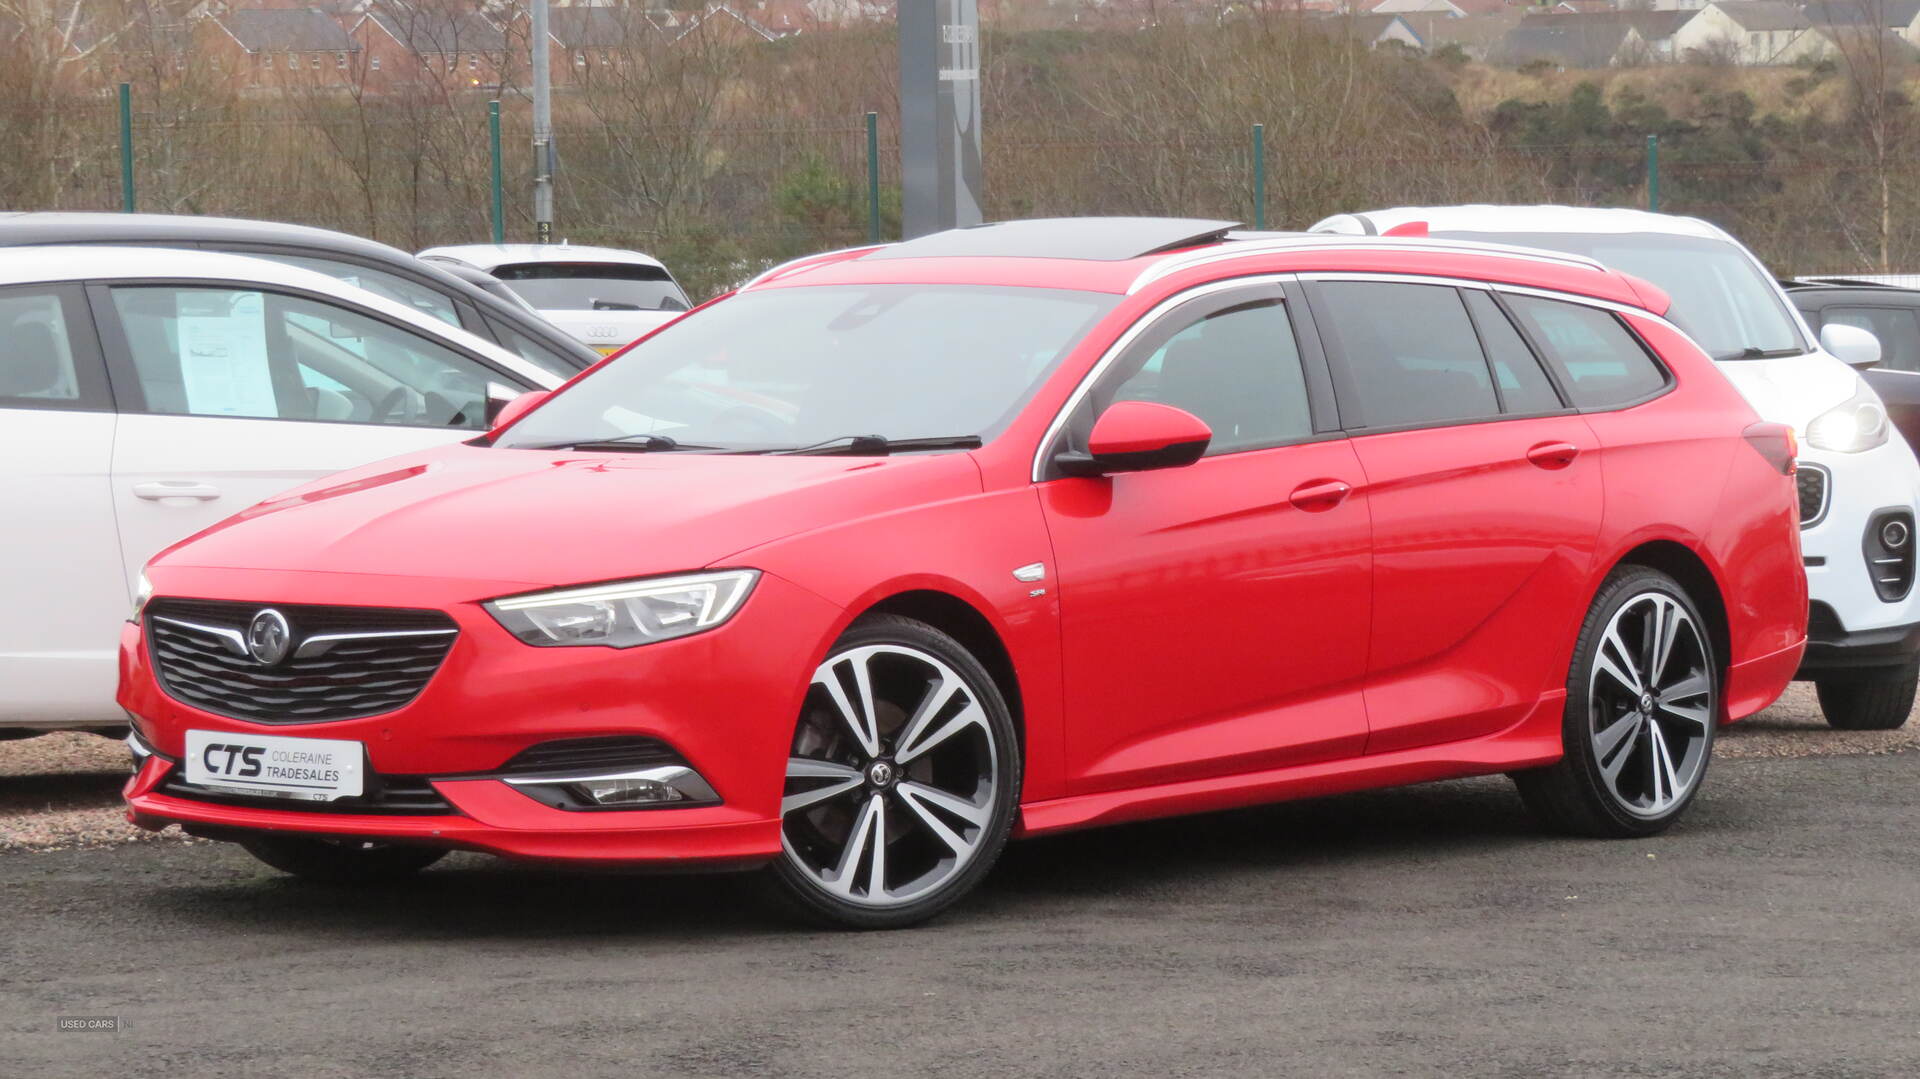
[(901, 780), (1643, 699)]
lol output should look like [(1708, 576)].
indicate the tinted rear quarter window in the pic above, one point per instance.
[(1600, 363), (1410, 355), (1524, 387)]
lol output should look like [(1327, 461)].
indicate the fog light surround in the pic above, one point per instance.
[(660, 787)]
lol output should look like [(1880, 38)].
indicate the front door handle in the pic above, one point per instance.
[(1317, 496), (1553, 455), (165, 489)]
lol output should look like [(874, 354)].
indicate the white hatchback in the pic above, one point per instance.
[(602, 296), (147, 393), (1859, 482)]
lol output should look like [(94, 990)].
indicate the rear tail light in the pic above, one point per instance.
[(1775, 442)]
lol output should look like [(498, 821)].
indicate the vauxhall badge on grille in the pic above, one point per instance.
[(269, 637)]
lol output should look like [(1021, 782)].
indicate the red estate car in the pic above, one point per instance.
[(899, 551)]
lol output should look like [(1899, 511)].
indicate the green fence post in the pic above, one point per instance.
[(873, 177), (499, 206), (1259, 176), (126, 147), (1653, 173)]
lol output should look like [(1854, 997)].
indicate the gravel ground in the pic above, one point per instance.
[(61, 791)]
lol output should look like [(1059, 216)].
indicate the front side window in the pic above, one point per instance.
[(788, 367), (1601, 364), (379, 282), (1896, 328), (247, 353), (1238, 370), (593, 286), (1410, 355), (532, 351)]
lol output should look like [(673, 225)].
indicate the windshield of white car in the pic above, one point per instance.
[(593, 286), (1720, 297), (785, 368)]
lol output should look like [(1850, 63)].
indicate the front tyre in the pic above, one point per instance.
[(340, 861), (1877, 700), (902, 779), (1643, 694)]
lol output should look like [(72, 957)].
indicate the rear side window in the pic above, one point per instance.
[(1524, 387), (1896, 328), (1411, 356), (1600, 363)]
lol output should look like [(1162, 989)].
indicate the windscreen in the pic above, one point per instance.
[(1720, 297), (791, 367), (593, 286)]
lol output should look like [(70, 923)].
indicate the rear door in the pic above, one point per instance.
[(63, 595), (1485, 493), (230, 394)]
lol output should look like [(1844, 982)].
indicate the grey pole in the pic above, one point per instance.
[(543, 155), (940, 185)]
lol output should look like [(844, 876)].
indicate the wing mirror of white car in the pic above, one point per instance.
[(1855, 347)]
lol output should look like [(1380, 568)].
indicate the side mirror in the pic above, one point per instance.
[(516, 408), (1137, 436), (1855, 347)]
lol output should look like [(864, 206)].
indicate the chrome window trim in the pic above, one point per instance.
[(235, 641), (1140, 326), (1233, 249), (326, 641)]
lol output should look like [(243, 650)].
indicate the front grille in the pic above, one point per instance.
[(385, 796), (343, 662), (591, 755), (1815, 488)]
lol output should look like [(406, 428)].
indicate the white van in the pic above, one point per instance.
[(1858, 479)]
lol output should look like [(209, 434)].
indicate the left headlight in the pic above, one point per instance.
[(1855, 425), (626, 613), (142, 592)]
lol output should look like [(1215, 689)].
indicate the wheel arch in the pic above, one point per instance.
[(1685, 565), (967, 624)]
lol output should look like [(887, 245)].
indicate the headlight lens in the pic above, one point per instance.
[(142, 592), (626, 613), (1853, 426)]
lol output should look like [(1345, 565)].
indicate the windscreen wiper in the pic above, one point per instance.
[(1752, 353), (880, 445), (642, 443)]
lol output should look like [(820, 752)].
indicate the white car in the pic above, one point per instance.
[(602, 296), (146, 393), (1858, 482)]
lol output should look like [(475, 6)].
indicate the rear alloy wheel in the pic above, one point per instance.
[(901, 782), (1642, 700), (340, 861), (1874, 700)]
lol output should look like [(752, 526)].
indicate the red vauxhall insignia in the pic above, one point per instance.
[(898, 552)]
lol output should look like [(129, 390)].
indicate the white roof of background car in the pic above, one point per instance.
[(1513, 219), (488, 256), (96, 262)]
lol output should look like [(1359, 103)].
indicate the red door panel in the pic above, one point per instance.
[(1212, 624), (1483, 537)]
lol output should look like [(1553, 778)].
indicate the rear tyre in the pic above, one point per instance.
[(902, 780), (1643, 699), (340, 861), (1870, 701)]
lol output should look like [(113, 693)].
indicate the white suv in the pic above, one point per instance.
[(1858, 480)]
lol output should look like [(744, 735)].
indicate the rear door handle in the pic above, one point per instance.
[(1319, 495), (1553, 455), (163, 489)]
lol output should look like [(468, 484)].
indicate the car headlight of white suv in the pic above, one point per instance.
[(1855, 425)]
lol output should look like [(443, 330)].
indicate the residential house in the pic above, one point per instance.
[(1751, 33), (276, 47), (407, 43), (1475, 35), (590, 40), (1375, 30), (1571, 42), (1458, 9)]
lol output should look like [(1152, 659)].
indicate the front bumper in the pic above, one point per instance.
[(725, 700), (1832, 648)]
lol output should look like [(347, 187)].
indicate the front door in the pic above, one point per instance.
[(1214, 617)]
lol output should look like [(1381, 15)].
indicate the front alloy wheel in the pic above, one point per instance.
[(1642, 698), (901, 780)]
